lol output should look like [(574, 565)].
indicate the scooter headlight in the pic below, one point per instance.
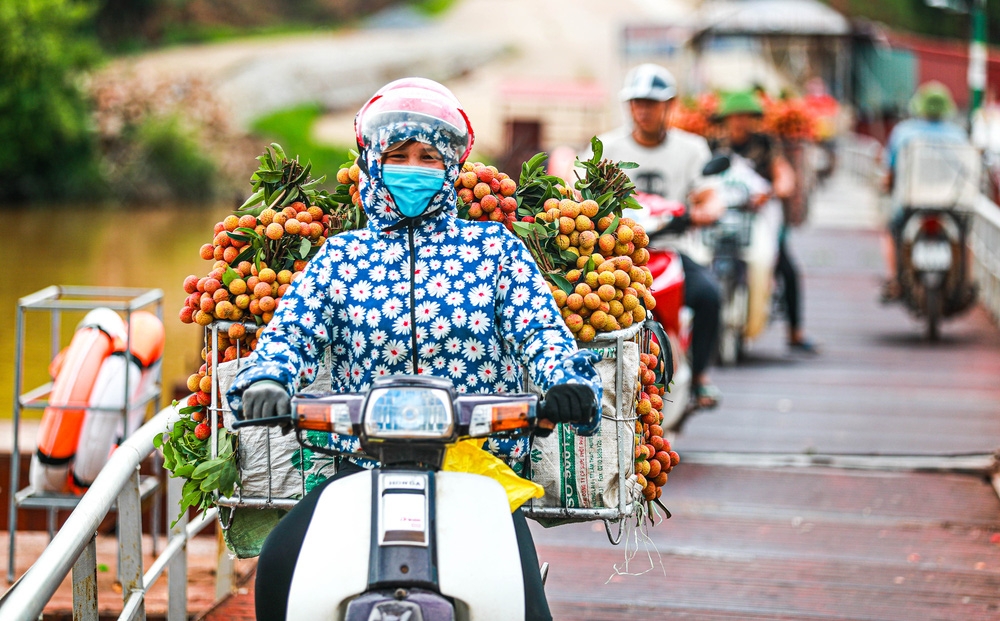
[(409, 412)]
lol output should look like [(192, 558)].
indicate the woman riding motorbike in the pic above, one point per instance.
[(417, 291)]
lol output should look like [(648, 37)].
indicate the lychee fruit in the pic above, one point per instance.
[(274, 231), (202, 431)]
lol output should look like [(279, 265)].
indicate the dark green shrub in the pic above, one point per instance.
[(48, 148)]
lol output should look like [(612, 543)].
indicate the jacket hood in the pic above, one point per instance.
[(375, 197)]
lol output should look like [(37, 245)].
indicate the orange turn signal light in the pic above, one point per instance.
[(508, 417), (314, 417)]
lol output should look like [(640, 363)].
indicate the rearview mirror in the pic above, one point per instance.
[(716, 165)]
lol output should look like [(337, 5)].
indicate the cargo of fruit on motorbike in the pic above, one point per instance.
[(798, 124), (591, 254)]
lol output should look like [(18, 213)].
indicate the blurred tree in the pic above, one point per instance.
[(132, 25), (916, 16), (46, 143), (122, 24)]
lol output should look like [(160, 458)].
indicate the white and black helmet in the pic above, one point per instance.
[(649, 81)]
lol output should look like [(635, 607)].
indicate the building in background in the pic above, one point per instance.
[(544, 115)]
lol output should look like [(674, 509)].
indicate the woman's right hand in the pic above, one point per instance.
[(265, 399)]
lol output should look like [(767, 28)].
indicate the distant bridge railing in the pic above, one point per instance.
[(985, 246), (74, 546), (859, 155)]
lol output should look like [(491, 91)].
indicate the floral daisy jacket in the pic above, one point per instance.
[(435, 295)]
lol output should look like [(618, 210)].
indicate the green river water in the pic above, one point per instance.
[(153, 248)]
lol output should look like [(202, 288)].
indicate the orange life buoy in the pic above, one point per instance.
[(137, 373), (78, 366), (146, 338), (60, 428)]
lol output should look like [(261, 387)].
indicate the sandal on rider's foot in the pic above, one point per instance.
[(892, 291), (803, 346), (707, 396)]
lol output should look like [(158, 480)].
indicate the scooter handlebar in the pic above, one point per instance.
[(270, 421), (307, 411)]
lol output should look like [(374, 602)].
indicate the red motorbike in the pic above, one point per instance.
[(668, 288)]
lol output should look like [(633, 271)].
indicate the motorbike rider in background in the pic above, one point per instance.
[(670, 163), (417, 291), (931, 106), (738, 115)]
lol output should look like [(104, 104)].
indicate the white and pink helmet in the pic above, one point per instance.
[(418, 102)]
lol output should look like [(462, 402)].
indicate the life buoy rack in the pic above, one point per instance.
[(84, 421)]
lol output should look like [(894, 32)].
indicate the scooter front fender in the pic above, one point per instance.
[(478, 559), (332, 567), (478, 562)]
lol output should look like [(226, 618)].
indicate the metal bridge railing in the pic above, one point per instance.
[(74, 546), (859, 155)]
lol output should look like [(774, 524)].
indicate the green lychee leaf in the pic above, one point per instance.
[(184, 471), (254, 199), (612, 228), (211, 482), (561, 282), (568, 257), (229, 276), (597, 147), (304, 173), (268, 176), (245, 255), (522, 229)]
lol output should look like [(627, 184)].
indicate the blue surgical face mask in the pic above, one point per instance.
[(412, 187)]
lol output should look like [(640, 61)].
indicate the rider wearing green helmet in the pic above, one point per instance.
[(931, 106)]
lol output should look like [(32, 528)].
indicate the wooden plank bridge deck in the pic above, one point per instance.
[(752, 540)]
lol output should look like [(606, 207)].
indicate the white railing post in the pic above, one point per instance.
[(85, 584), (130, 540), (177, 567), (225, 568)]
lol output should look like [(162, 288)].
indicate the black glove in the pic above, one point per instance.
[(265, 399), (569, 403)]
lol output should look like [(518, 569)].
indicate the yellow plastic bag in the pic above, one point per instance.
[(468, 456)]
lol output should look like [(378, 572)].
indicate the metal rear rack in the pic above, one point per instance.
[(609, 344), (216, 412)]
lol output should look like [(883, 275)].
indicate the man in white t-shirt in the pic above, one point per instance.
[(670, 164)]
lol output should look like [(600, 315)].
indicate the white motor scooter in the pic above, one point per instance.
[(397, 542), (937, 188), (744, 246)]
